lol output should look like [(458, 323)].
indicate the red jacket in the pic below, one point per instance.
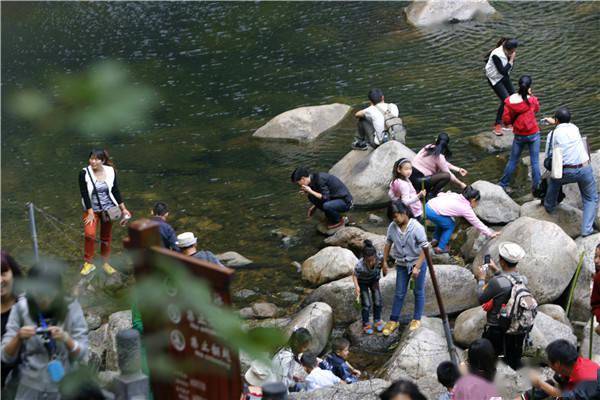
[(522, 116), (595, 300)]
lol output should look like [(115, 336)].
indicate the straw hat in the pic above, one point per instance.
[(186, 239), (259, 374)]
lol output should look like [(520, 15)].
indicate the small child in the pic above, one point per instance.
[(447, 375), (336, 361), (366, 286), (317, 378), (402, 189)]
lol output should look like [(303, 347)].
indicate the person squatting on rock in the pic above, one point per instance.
[(366, 286), (99, 192), (431, 169), (47, 330), (595, 297), (337, 362), (478, 383), (326, 192), (187, 243), (402, 390), (372, 121), (168, 237), (401, 188), (447, 374), (442, 211), (495, 295), (519, 111), (573, 374), (287, 360), (406, 242), (499, 63), (316, 377), (576, 167)]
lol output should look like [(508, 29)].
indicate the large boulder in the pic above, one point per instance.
[(362, 390), (375, 343), (581, 308), (318, 319), (426, 13), (492, 143), (367, 174), (457, 286), (116, 322), (585, 343), (555, 312), (567, 217), (469, 326), (353, 238), (329, 264), (304, 123), (551, 255), (473, 244), (495, 206)]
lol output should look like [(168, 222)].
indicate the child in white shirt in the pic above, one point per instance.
[(317, 378)]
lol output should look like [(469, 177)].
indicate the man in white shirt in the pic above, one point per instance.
[(371, 121), (576, 168), (317, 378)]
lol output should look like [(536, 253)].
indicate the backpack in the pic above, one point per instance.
[(520, 310), (393, 128)]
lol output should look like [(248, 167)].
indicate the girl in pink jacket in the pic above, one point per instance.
[(401, 189)]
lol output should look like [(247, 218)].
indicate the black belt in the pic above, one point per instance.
[(568, 166)]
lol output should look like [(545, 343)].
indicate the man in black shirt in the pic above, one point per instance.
[(168, 237), (326, 192)]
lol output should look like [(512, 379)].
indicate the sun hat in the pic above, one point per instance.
[(259, 374), (186, 239), (511, 252)]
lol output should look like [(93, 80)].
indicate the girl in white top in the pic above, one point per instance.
[(500, 62), (402, 189)]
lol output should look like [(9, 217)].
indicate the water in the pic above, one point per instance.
[(224, 69)]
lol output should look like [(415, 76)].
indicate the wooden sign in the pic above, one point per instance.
[(184, 335)]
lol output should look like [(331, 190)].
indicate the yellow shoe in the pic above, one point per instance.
[(108, 268), (414, 325), (389, 328), (87, 268)]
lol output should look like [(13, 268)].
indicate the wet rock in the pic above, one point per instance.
[(551, 257), (232, 259), (116, 322), (362, 390), (289, 297), (375, 219), (367, 173), (469, 326), (585, 343), (318, 319), (244, 293), (375, 343), (304, 123), (545, 331), (581, 308), (457, 286), (426, 13), (474, 243), (492, 143), (567, 217), (328, 264), (93, 320), (555, 312), (353, 238), (495, 206)]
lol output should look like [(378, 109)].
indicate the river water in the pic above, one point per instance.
[(224, 69)]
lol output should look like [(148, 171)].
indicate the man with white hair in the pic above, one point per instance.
[(495, 295), (187, 244)]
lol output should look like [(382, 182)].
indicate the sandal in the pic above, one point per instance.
[(367, 329), (379, 326)]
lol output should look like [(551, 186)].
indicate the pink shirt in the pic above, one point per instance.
[(403, 190), (429, 165), (472, 387), (455, 205)]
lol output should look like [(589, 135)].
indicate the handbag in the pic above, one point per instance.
[(110, 214), (554, 160)]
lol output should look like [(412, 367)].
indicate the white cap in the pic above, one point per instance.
[(511, 252), (259, 374), (186, 239)]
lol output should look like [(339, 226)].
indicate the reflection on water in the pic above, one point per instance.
[(224, 69)]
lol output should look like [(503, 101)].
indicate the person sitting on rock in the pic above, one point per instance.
[(402, 189), (366, 286), (316, 377), (494, 295), (447, 374), (168, 237), (187, 243), (478, 383), (337, 362), (372, 121), (326, 192), (570, 368), (406, 241), (595, 298), (442, 211), (402, 390), (431, 169), (576, 168), (286, 361)]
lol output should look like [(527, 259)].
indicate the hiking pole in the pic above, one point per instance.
[(438, 296), (591, 337), (33, 231), (574, 284)]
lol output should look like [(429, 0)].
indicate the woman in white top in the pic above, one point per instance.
[(500, 62)]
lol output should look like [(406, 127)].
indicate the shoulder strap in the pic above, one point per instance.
[(551, 140), (95, 190)]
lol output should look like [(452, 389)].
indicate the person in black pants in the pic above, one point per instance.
[(494, 295), (500, 62), (326, 192)]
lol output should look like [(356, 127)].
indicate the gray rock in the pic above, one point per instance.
[(492, 143), (116, 322), (375, 219), (567, 217), (353, 238), (362, 390), (426, 13), (106, 378), (545, 331), (304, 123), (585, 343), (495, 206), (457, 286), (244, 293), (328, 264), (93, 321), (510, 383), (246, 313), (264, 310), (555, 312), (289, 297), (280, 323), (474, 243), (318, 319), (375, 343), (551, 255), (232, 259), (469, 326), (98, 341), (367, 174), (581, 308)]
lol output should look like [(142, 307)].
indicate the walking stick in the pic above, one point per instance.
[(575, 279), (591, 337), (438, 296)]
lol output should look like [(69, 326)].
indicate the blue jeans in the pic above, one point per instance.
[(531, 141), (370, 295), (333, 208), (402, 280), (444, 226), (589, 194)]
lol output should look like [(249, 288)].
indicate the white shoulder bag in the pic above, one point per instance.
[(557, 160)]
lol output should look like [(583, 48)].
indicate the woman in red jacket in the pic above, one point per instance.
[(519, 111)]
